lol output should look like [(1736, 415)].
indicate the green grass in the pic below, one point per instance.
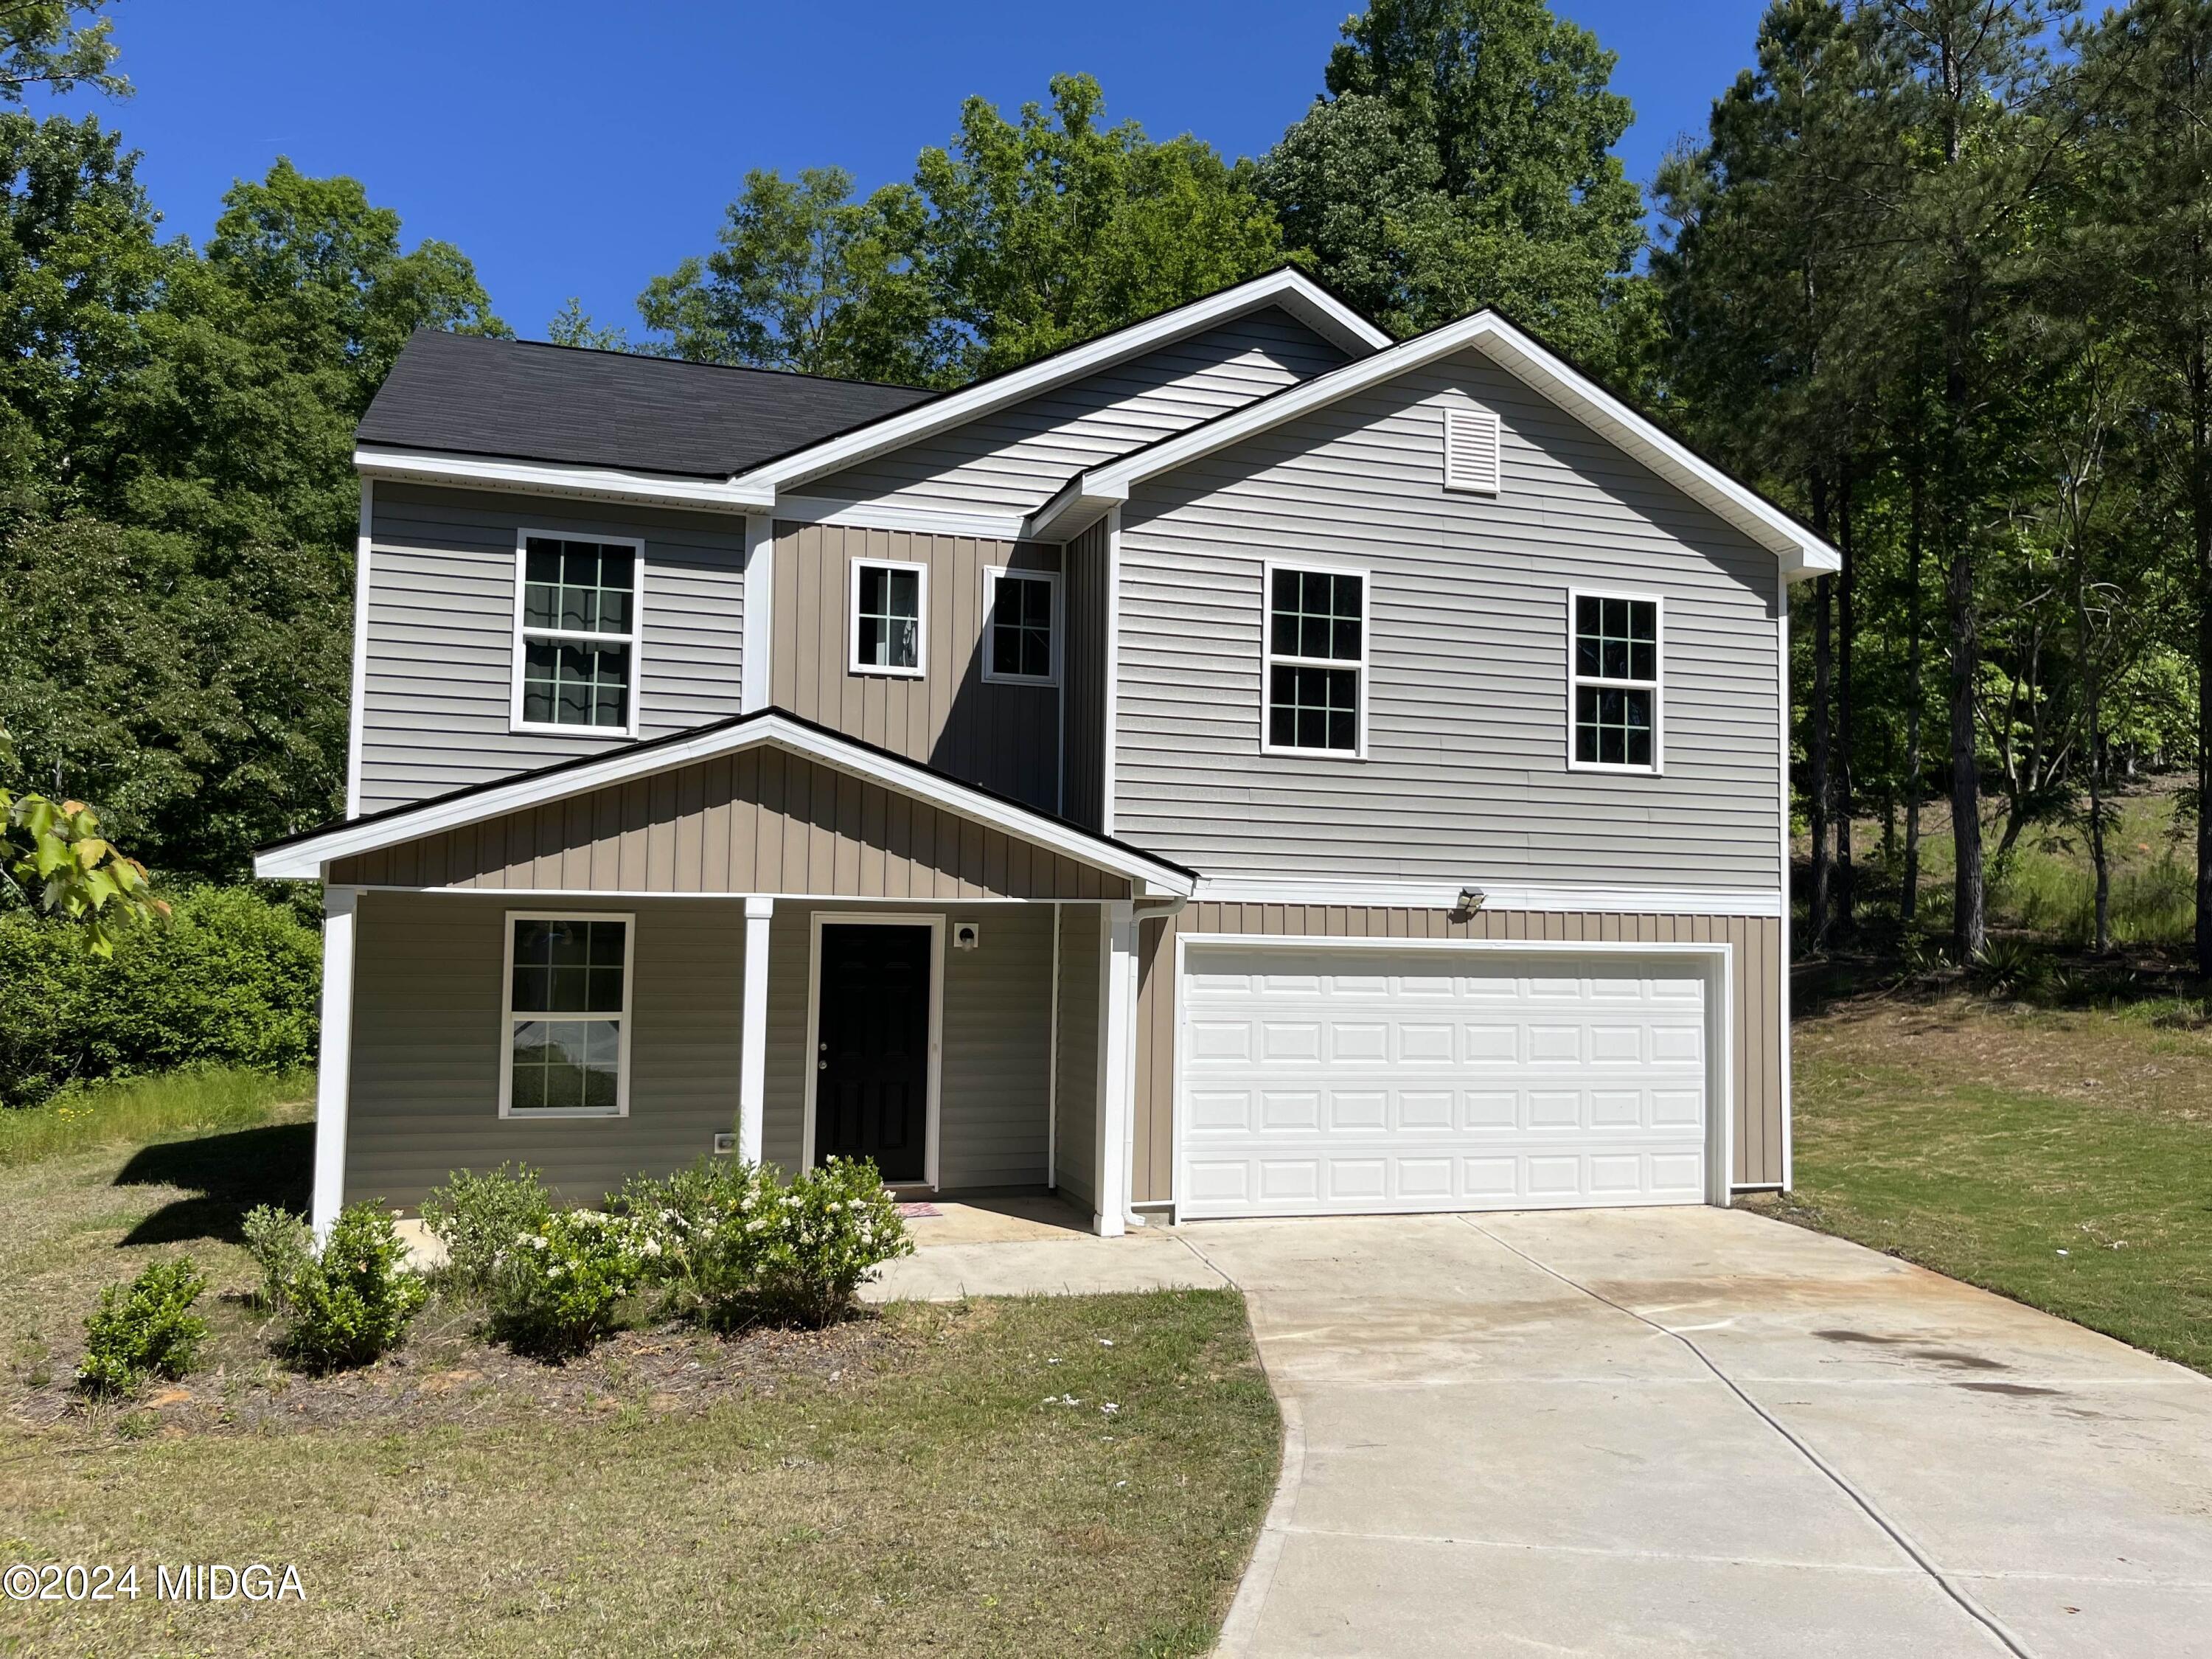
[(133, 1110), (2062, 1158), (900, 1485)]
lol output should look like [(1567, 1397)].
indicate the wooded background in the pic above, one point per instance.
[(1938, 278)]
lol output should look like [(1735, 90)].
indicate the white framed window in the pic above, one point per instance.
[(578, 600), (889, 608), (564, 1031), (1315, 673), (1473, 443), (1615, 681), (1021, 626)]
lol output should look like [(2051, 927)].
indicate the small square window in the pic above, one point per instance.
[(887, 617), (1614, 690), (1316, 660), (1018, 610)]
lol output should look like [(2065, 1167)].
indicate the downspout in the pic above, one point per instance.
[(1139, 915)]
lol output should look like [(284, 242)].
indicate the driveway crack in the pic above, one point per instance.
[(1904, 1541)]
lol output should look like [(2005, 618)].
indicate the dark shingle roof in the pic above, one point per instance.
[(527, 401)]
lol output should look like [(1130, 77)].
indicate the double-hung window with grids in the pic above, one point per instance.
[(576, 635), (1020, 625), (1614, 683), (1316, 661), (567, 1016)]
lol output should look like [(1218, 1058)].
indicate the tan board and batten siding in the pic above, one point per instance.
[(1011, 461), (428, 1047), (760, 821), (1004, 738), (1465, 777), (437, 704), (1755, 1014)]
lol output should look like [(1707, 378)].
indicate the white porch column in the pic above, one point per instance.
[(753, 1058), (334, 1066), (1116, 1052)]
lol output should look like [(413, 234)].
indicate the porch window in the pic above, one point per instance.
[(1316, 661), (887, 611), (576, 634), (568, 1017), (1020, 611), (1615, 682)]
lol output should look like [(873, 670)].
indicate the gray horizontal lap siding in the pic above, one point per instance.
[(1013, 461), (1466, 775), (427, 1048), (438, 700)]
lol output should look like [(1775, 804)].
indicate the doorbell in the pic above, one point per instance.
[(967, 935)]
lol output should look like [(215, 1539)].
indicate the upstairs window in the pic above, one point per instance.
[(576, 634), (1019, 613), (1615, 684), (568, 1017), (1316, 661), (888, 607)]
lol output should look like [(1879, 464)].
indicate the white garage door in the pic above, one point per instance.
[(1338, 1080)]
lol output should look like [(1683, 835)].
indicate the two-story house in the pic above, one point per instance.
[(1238, 766)]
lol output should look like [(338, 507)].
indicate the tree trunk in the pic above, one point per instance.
[(1908, 901), (1840, 765), (2200, 526), (1820, 787)]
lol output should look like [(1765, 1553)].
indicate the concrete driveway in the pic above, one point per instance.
[(1697, 1432)]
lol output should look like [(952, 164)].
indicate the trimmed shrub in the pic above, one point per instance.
[(556, 1291), (826, 1235), (144, 1329), (347, 1303), (706, 1227), (479, 1217), (282, 1245), (233, 981)]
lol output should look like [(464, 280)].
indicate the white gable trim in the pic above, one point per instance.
[(1091, 493), (601, 483), (304, 859), (1297, 294)]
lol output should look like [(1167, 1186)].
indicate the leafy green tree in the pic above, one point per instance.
[(58, 44), (571, 325), (806, 278), (79, 264), (237, 424), (1054, 228), (1017, 239), (1462, 158)]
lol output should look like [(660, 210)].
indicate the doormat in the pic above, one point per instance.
[(919, 1212)]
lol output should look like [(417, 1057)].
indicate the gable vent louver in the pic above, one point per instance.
[(1471, 451)]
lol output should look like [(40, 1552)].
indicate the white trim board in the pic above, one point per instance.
[(1094, 490), (599, 483), (1718, 957), (305, 859), (357, 702), (1297, 294), (759, 619), (935, 1089), (1416, 894)]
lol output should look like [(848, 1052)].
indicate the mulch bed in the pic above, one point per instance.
[(448, 1373)]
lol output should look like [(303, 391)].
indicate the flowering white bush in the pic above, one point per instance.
[(557, 1284), (736, 1245)]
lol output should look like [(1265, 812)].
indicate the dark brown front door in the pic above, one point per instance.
[(871, 1051)]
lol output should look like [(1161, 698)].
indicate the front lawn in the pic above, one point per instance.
[(2060, 1156), (1048, 1476)]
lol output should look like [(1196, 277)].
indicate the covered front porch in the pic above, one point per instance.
[(772, 944)]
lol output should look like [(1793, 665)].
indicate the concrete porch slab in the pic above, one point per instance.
[(1056, 1263)]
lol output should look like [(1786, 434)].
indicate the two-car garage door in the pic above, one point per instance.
[(1343, 1079)]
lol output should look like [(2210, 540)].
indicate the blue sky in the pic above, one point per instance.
[(573, 148)]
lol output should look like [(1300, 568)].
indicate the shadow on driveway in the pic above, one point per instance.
[(227, 1175)]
